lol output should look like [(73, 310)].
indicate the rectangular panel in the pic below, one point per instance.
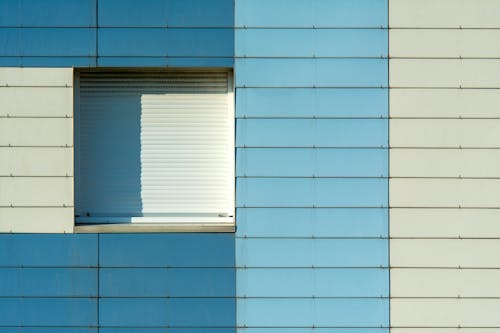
[(128, 42), (311, 43), (312, 222), (313, 132), (444, 43), (36, 102), (75, 250), (48, 13), (36, 191), (445, 283), (313, 312), (439, 103), (445, 312), (311, 192), (150, 13), (465, 253), (34, 219), (472, 223), (23, 329), (165, 62), (48, 282), (48, 311), (445, 73), (445, 193), (32, 161), (311, 102), (444, 330), (202, 312), (36, 77), (255, 252), (445, 163), (202, 282), (310, 282), (36, 132), (167, 250), (306, 162), (444, 14), (449, 133), (305, 13), (142, 312), (55, 61), (214, 42), (311, 72)]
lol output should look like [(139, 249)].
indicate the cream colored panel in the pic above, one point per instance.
[(36, 220), (444, 192), (36, 102), (473, 253), (36, 77), (444, 13), (36, 191), (410, 282), (474, 73), (445, 163), (36, 132), (447, 43), (36, 161), (450, 103), (445, 312), (418, 222), (439, 133)]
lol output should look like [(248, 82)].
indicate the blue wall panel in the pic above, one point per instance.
[(50, 329), (310, 102)]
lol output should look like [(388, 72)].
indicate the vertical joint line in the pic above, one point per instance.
[(98, 282)]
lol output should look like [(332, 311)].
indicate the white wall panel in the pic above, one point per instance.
[(447, 73), (444, 13), (36, 220), (445, 312), (451, 133), (445, 103), (36, 191), (445, 163), (445, 282), (454, 222), (36, 102), (445, 192), (36, 161), (472, 253), (36, 131), (36, 77)]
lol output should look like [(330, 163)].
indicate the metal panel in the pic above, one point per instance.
[(445, 283), (36, 132), (450, 133), (202, 312), (445, 193), (306, 14), (194, 62), (444, 330), (439, 103), (313, 312), (311, 282), (445, 312), (142, 312), (482, 163), (36, 191), (33, 161), (444, 43), (40, 62), (445, 73), (465, 223), (22, 329), (306, 253), (214, 42), (36, 102), (452, 253), (48, 282), (311, 72), (36, 220), (444, 14), (313, 133), (311, 192), (312, 222), (310, 102), (36, 77), (311, 43)]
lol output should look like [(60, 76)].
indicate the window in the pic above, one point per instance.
[(154, 147)]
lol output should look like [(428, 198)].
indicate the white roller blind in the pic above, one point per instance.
[(155, 147)]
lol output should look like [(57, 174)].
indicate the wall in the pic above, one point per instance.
[(312, 165), (444, 165)]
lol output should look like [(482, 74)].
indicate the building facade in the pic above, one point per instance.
[(366, 175)]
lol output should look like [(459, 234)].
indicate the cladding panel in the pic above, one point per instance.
[(33, 192), (33, 161), (36, 219), (42, 102)]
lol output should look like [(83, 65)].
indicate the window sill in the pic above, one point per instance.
[(155, 227)]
